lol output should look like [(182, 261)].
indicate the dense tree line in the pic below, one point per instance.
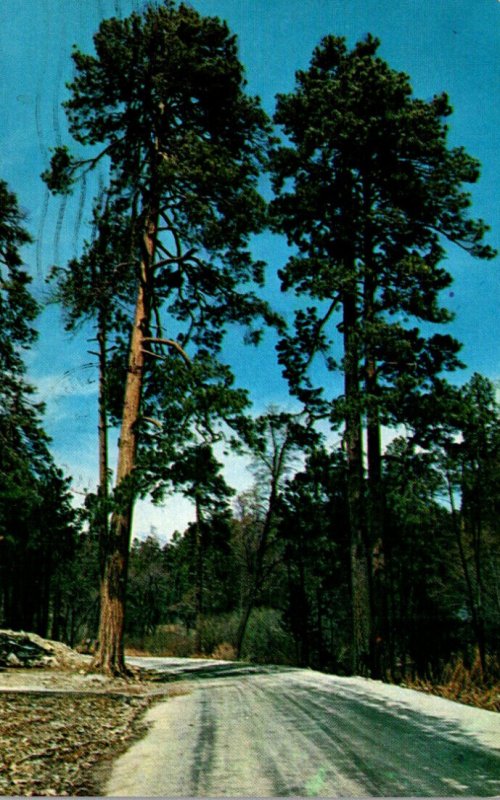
[(349, 558), (440, 571), (39, 530)]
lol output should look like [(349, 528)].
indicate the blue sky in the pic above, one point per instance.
[(444, 45)]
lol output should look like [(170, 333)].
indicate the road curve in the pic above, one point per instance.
[(268, 732)]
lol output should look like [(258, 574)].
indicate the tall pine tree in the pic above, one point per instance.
[(368, 191), (162, 102)]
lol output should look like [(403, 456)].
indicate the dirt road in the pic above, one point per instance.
[(257, 732)]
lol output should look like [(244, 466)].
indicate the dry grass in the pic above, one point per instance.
[(137, 652), (466, 685), (222, 652)]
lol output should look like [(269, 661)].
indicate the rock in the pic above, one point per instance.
[(18, 648)]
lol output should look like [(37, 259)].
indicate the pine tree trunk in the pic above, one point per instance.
[(103, 490), (477, 622), (110, 653), (303, 606), (375, 512), (199, 574), (378, 584), (375, 528), (55, 626), (360, 591), (243, 624)]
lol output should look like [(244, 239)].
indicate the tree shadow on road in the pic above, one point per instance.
[(195, 670)]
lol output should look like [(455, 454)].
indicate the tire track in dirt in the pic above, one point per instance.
[(389, 754), (340, 767), (202, 765), (298, 761), (337, 735), (381, 749), (268, 740), (224, 762), (354, 750)]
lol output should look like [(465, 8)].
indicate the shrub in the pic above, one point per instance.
[(216, 630), (267, 641)]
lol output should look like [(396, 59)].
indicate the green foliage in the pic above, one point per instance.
[(187, 409), (147, 587), (163, 93), (167, 640), (302, 613), (471, 463), (216, 630), (102, 281), (267, 640), (368, 191), (208, 541), (18, 308), (368, 194), (59, 178), (161, 103), (38, 526), (423, 625)]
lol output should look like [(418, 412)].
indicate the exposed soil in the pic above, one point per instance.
[(63, 744), (61, 728)]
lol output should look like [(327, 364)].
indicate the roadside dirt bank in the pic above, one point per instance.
[(62, 728)]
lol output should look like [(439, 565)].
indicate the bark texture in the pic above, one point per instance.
[(110, 656)]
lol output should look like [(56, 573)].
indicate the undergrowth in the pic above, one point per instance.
[(266, 640)]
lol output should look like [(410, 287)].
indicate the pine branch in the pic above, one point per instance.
[(169, 343)]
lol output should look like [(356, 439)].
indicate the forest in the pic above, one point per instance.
[(369, 542)]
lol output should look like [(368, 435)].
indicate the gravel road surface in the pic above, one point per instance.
[(256, 731)]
